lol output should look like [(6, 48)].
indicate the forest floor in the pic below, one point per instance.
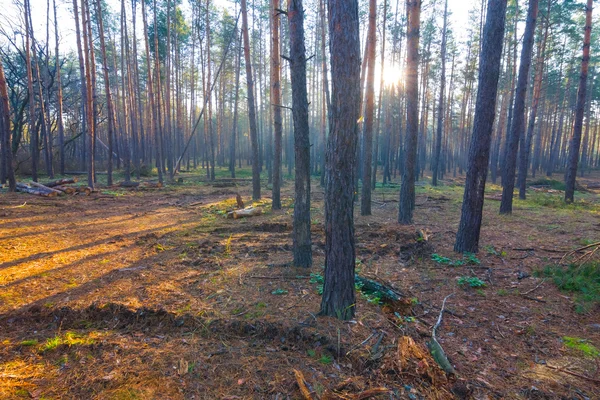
[(154, 294)]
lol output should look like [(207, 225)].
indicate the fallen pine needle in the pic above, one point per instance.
[(569, 372)]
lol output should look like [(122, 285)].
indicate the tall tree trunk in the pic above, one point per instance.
[(518, 118), (338, 290), (380, 100), (467, 237), (407, 190), (251, 106), (325, 126), (33, 136), (109, 103), (234, 129), (276, 104), (88, 49), (59, 100), (301, 234), (440, 111), (5, 134), (575, 141), (367, 158)]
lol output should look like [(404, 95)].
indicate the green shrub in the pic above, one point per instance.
[(583, 280)]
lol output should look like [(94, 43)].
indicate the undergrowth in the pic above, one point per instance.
[(582, 280)]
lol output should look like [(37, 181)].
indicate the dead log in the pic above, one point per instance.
[(387, 293), (593, 186), (129, 184), (37, 192), (84, 190), (61, 182), (46, 188), (66, 189), (245, 212)]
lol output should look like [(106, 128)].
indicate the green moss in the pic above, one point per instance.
[(582, 345)]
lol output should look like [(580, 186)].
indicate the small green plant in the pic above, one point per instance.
[(279, 291), (502, 292), (582, 345), (471, 281), (325, 359), (30, 342), (441, 259), (228, 246), (468, 259), (311, 353), (583, 280), (471, 259), (52, 343), (317, 279)]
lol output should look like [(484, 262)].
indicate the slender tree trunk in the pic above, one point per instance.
[(325, 126), (251, 106), (88, 49), (367, 158), (301, 234), (407, 190), (59, 100), (5, 134), (234, 129), (518, 118), (575, 141), (276, 100), (33, 137), (467, 237), (440, 111)]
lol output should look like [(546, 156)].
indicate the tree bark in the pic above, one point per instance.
[(407, 190), (518, 118), (338, 290), (301, 233), (251, 105), (440, 111), (575, 141), (276, 100), (367, 158), (467, 237), (5, 132)]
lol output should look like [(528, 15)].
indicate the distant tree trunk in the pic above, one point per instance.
[(537, 90), (276, 100), (338, 290), (380, 100), (5, 133), (407, 190), (160, 153), (301, 234), (251, 106), (234, 129), (518, 118), (59, 100), (89, 101), (327, 98), (575, 141), (367, 158), (467, 237), (109, 104), (33, 136), (440, 111), (211, 136)]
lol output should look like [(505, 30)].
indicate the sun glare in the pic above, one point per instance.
[(392, 74)]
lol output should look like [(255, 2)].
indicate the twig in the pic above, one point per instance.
[(361, 343), (567, 371), (500, 332), (434, 346), (529, 291), (533, 298)]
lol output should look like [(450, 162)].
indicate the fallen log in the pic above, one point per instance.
[(66, 189), (245, 212), (36, 192), (84, 189), (61, 182), (370, 286), (46, 188), (129, 184)]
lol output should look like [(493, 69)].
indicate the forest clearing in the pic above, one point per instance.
[(154, 293)]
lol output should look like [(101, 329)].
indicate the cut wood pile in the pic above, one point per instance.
[(54, 188)]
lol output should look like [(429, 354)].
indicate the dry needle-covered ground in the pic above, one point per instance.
[(154, 294)]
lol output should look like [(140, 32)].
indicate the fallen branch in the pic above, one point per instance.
[(387, 292), (61, 182), (572, 373), (434, 346), (303, 389), (245, 212), (37, 192), (529, 291), (46, 188)]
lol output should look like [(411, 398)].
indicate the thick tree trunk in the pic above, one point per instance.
[(367, 151), (251, 106), (518, 118), (276, 100), (301, 234), (575, 141), (467, 237), (338, 290), (407, 190)]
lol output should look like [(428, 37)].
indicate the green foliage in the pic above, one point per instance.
[(468, 259), (552, 183), (583, 280), (582, 345), (279, 291), (373, 297), (471, 281), (30, 342), (69, 339), (325, 359), (317, 278)]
